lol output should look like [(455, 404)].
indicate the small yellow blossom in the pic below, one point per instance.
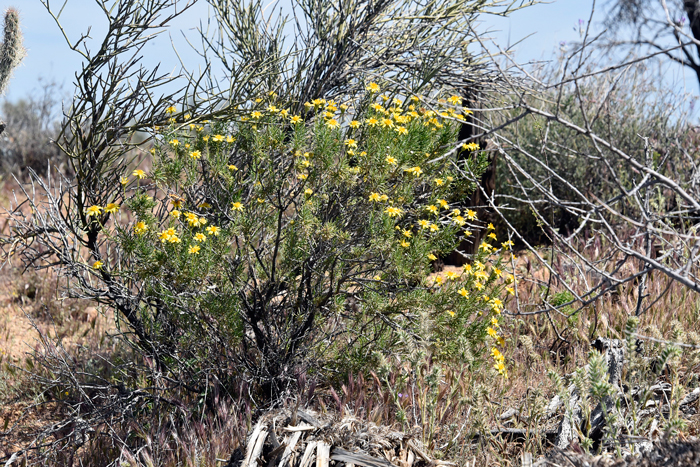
[(390, 160), (372, 122), (507, 245), (485, 247), (170, 110), (510, 290), (373, 87), (354, 124), (123, 180), (194, 249), (402, 130), (438, 182), (393, 212), (93, 211), (232, 168), (407, 233), (470, 147), (97, 264), (405, 244), (256, 114), (471, 215), (443, 204), (463, 292), (432, 257), (434, 227), (295, 119), (213, 230), (432, 208), (140, 174), (439, 280), (492, 235), (112, 207), (490, 226), (332, 123), (200, 237), (387, 123), (196, 154), (308, 192), (237, 206), (140, 228), (492, 332), (453, 276), (351, 143), (175, 213), (467, 233), (218, 138), (174, 142), (424, 224)]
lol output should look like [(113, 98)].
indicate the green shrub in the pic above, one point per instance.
[(275, 244)]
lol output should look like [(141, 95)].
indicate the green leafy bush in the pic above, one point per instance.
[(274, 244)]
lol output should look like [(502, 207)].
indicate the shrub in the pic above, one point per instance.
[(258, 244)]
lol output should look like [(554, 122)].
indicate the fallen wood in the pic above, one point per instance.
[(322, 454), (300, 428), (341, 455), (289, 449)]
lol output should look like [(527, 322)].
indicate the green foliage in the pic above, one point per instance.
[(270, 246)]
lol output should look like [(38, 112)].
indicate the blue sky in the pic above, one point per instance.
[(49, 57)]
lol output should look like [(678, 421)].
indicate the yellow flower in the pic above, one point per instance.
[(332, 123), (432, 257), (478, 285), (497, 272), (470, 147), (507, 245), (471, 215), (372, 122), (407, 233), (511, 290), (140, 228), (97, 264), (424, 224), (455, 100), (123, 180), (414, 170), (390, 160), (174, 142), (393, 212), (213, 230), (237, 206), (295, 119), (490, 226), (438, 182), (302, 176), (175, 213), (492, 235), (492, 332), (432, 208), (439, 280), (318, 102), (284, 113), (272, 109), (187, 116), (354, 124), (167, 235), (232, 168), (205, 138), (140, 174), (374, 197), (402, 130), (467, 233), (204, 205), (196, 154), (387, 123), (443, 204), (218, 138), (112, 207), (187, 145), (194, 249), (463, 292), (434, 227), (468, 268), (351, 143), (170, 110), (485, 247), (200, 237), (93, 211), (308, 192), (373, 87), (256, 114), (405, 244), (453, 276)]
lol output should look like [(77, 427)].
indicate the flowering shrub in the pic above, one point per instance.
[(288, 243)]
